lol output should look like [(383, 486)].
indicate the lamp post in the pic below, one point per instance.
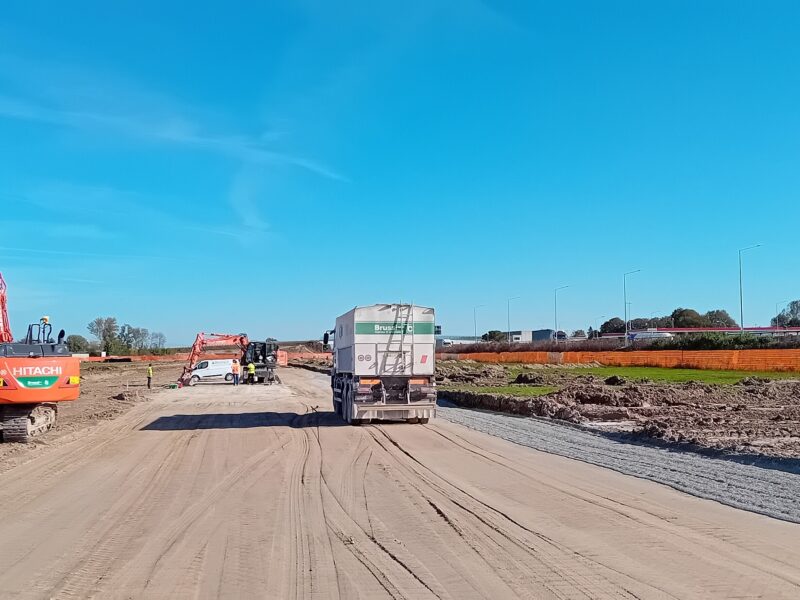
[(475, 319), (741, 287), (625, 294), (555, 308), (597, 325), (777, 314), (508, 315)]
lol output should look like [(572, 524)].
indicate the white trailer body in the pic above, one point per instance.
[(383, 363)]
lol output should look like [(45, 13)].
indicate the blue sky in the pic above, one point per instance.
[(223, 167)]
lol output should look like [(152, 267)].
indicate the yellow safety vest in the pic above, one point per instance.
[(149, 371), (251, 368)]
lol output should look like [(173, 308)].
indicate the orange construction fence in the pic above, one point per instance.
[(734, 360)]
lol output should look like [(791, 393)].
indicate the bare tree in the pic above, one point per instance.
[(105, 329), (157, 340), (140, 338), (126, 333)]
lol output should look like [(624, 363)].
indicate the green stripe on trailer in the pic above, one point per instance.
[(392, 327)]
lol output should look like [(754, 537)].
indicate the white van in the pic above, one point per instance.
[(212, 370)]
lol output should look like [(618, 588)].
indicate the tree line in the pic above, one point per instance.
[(789, 316), (680, 317), (115, 339)]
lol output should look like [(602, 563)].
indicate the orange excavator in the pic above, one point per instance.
[(263, 355), (36, 374), (210, 340)]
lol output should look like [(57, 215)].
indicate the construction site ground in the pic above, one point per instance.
[(261, 491), (722, 412)]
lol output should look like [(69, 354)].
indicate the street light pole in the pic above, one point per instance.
[(508, 316), (597, 324), (777, 314), (625, 294), (741, 287), (475, 319), (555, 308)]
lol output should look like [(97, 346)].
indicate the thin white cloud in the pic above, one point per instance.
[(243, 198), (80, 280), (24, 250), (74, 213), (74, 99)]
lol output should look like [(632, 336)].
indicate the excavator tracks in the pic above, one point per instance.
[(22, 423)]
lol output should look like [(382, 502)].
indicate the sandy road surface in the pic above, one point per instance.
[(237, 493)]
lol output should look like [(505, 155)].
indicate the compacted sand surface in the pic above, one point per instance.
[(223, 492)]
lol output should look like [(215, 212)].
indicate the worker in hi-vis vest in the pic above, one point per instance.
[(235, 370), (251, 372), (150, 376)]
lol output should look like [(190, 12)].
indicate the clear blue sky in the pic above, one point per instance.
[(189, 167)]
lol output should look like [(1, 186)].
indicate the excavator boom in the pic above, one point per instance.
[(5, 327), (210, 340)]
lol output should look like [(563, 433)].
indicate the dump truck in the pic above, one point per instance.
[(383, 363)]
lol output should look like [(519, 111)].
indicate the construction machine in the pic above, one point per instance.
[(36, 374), (384, 363), (264, 355)]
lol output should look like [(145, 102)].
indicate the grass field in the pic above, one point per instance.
[(680, 375), (511, 390)]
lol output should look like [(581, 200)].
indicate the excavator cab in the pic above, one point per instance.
[(41, 333)]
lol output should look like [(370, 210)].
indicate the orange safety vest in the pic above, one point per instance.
[(235, 368)]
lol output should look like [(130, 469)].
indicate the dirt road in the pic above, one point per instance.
[(261, 492)]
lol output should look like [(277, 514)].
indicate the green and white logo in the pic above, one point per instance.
[(37, 383), (393, 328)]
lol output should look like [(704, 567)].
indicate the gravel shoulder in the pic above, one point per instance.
[(768, 491)]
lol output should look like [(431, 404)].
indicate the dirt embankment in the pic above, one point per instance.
[(316, 365), (754, 416)]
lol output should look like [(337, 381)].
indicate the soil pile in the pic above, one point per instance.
[(756, 415)]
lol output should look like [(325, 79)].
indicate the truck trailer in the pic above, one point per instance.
[(383, 363)]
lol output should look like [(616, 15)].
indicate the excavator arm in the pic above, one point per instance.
[(210, 340), (5, 327)]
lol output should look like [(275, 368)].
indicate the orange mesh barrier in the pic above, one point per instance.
[(734, 360)]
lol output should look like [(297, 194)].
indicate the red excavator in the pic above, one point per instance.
[(264, 355), (210, 340), (35, 374)]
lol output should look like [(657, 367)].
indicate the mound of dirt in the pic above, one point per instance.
[(478, 374), (530, 379), (538, 407)]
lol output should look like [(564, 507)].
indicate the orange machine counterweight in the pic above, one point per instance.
[(39, 379)]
